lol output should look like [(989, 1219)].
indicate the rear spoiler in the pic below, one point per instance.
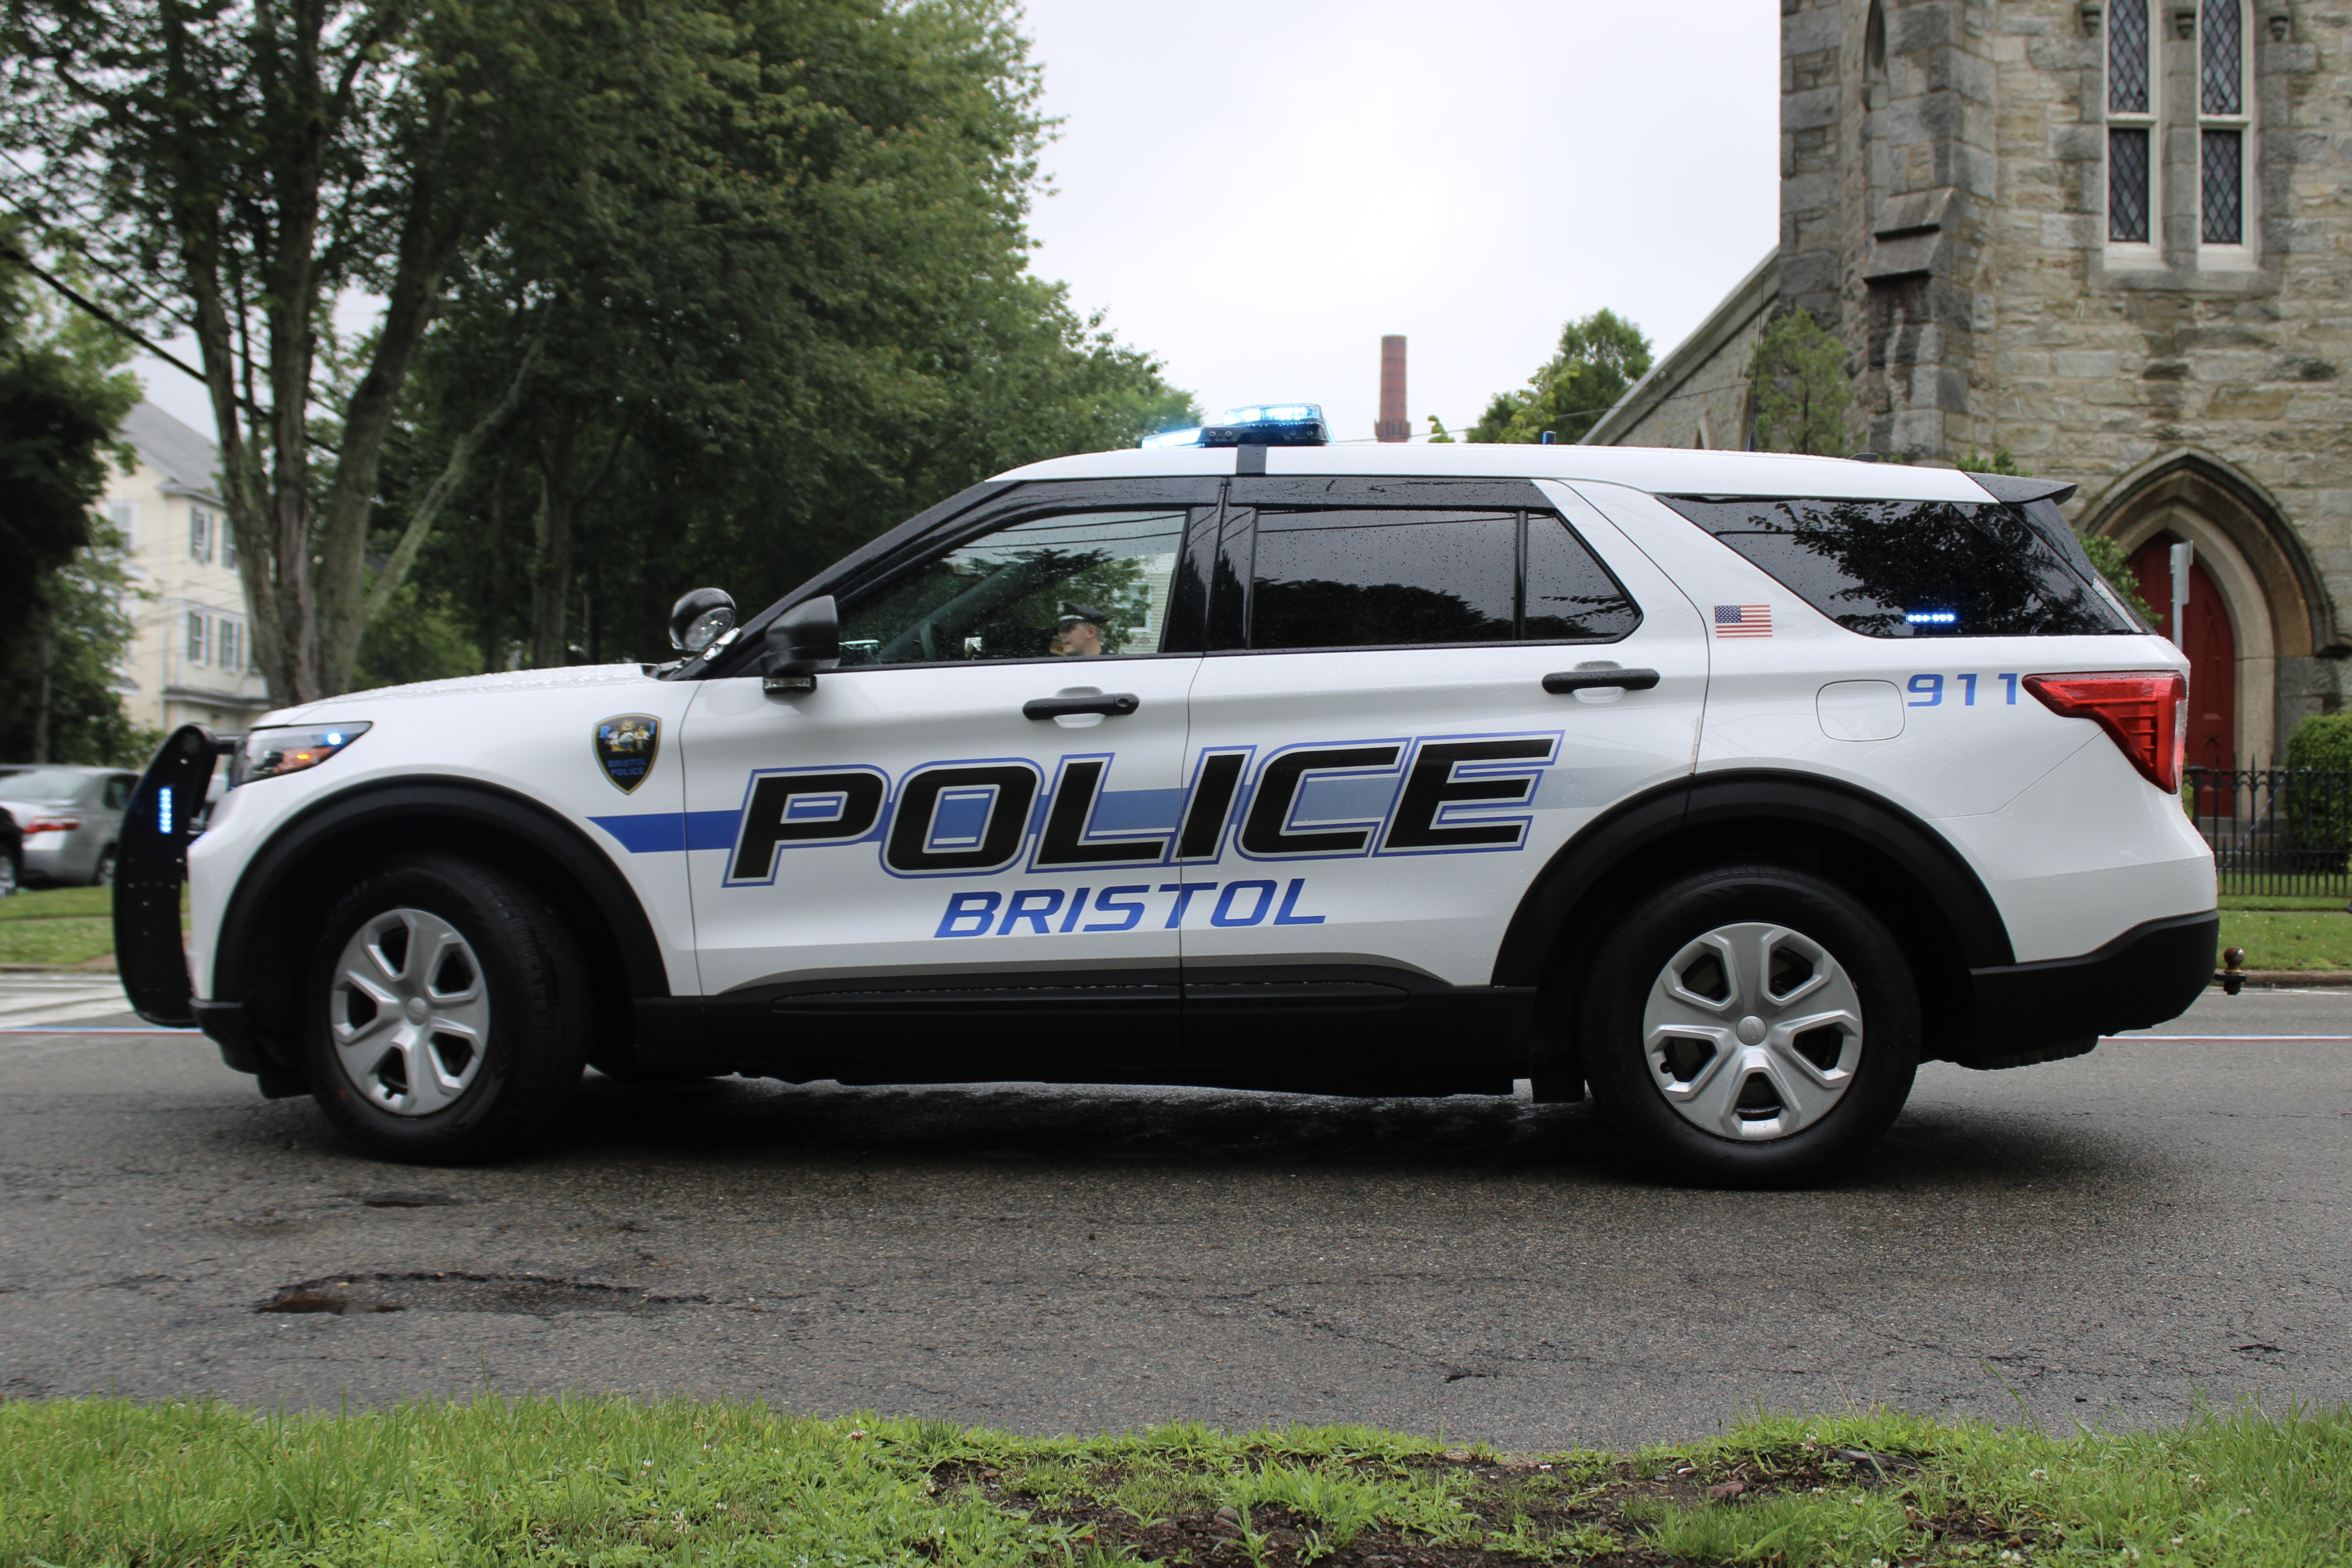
[(166, 813)]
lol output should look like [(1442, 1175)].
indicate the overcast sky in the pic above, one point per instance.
[(1256, 192)]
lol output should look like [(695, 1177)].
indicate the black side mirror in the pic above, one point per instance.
[(802, 641), (699, 619)]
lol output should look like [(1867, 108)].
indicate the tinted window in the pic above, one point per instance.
[(1348, 577), (118, 791), (1572, 598), (1900, 568), (1371, 576), (1079, 585)]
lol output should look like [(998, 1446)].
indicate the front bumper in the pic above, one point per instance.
[(2028, 1012)]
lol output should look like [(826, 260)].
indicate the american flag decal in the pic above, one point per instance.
[(1743, 620)]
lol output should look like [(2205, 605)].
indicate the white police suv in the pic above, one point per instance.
[(1730, 786)]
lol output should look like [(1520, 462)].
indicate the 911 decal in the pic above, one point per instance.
[(1929, 690), (1431, 794)]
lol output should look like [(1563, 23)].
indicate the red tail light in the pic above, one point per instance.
[(53, 825), (2144, 711)]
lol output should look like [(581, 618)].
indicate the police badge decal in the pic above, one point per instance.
[(626, 746)]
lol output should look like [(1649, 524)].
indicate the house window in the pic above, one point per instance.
[(122, 516), (2222, 122), (2131, 123), (228, 543), (196, 639), (232, 646), (200, 534)]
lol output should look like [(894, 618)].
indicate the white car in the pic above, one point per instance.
[(1730, 786)]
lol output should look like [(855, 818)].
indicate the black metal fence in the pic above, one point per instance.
[(2276, 831)]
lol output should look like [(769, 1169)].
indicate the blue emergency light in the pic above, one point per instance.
[(1258, 424)]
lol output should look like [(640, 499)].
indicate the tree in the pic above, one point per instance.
[(793, 308), (240, 169), (62, 397), (1599, 359), (1799, 388)]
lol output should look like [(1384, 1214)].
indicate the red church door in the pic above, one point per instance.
[(2211, 646)]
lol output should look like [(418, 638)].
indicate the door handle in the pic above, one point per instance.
[(1566, 680), (1109, 704)]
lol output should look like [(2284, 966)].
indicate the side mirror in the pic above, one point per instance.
[(699, 619), (802, 641)]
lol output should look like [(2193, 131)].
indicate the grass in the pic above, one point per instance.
[(614, 1484), (2290, 939), (59, 926)]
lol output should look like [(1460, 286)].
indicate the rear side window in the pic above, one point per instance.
[(1909, 568), (1385, 576)]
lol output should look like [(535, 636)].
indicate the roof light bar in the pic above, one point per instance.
[(1255, 424)]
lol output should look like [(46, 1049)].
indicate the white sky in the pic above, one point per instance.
[(1256, 192)]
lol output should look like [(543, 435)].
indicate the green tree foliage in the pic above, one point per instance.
[(2322, 740), (2116, 567), (62, 628), (1600, 357), (1799, 388), (785, 303)]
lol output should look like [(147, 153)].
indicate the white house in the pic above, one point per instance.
[(192, 660)]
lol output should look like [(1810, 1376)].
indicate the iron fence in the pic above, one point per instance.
[(2275, 831)]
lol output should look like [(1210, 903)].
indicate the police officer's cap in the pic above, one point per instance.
[(1073, 613)]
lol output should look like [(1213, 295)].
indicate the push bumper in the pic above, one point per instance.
[(2028, 1012), (151, 862)]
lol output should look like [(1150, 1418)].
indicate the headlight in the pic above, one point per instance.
[(273, 754)]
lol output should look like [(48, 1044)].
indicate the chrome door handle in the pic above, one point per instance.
[(1563, 681), (1109, 704)]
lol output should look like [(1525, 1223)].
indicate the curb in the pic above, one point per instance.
[(2294, 977)]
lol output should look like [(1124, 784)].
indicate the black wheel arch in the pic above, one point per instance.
[(290, 880), (1908, 874)]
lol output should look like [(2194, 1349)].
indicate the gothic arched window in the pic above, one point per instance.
[(2224, 121), (2132, 82)]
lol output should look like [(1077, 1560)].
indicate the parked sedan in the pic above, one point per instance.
[(71, 819)]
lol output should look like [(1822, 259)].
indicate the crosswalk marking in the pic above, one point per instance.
[(28, 1001)]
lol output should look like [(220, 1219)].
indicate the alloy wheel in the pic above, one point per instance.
[(1752, 1032), (410, 1012)]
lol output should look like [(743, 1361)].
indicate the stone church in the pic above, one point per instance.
[(2113, 238)]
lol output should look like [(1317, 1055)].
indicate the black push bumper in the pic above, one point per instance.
[(164, 814), (2040, 1012)]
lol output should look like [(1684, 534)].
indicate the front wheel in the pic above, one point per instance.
[(1750, 1024), (445, 1011)]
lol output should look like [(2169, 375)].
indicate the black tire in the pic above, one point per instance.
[(102, 874), (1629, 968), (12, 870), (534, 978)]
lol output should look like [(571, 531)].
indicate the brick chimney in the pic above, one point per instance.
[(1394, 424)]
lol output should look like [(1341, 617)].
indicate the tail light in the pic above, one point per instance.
[(53, 825), (2144, 711)]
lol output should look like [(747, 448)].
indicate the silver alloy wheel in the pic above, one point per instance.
[(1753, 1031), (8, 875), (410, 1012)]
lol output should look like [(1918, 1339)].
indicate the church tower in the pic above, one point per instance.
[(2111, 240)]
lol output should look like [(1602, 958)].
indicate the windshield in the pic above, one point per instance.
[(52, 787)]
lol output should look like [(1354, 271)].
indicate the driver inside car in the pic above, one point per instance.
[(1078, 634)]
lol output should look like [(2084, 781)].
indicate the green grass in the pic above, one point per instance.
[(2280, 901), (2290, 939), (614, 1484), (60, 926)]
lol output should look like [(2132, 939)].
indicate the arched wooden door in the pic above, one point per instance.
[(2211, 646)]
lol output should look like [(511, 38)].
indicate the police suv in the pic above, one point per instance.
[(1728, 786)]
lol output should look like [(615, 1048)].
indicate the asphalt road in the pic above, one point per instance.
[(2103, 1239)]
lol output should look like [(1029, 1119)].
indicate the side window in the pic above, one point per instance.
[(1078, 585), (118, 792), (1377, 576), (1911, 568), (1570, 596), (1357, 578)]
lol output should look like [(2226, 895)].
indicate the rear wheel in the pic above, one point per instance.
[(1750, 1024), (12, 869), (102, 874), (446, 1012)]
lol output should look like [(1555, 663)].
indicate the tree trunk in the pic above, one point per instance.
[(41, 692)]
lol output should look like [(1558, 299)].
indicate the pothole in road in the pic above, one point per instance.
[(353, 1295)]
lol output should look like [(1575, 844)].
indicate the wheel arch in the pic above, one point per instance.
[(1902, 869), (289, 880)]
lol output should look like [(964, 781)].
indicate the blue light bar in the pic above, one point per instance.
[(1255, 424), (1932, 617)]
